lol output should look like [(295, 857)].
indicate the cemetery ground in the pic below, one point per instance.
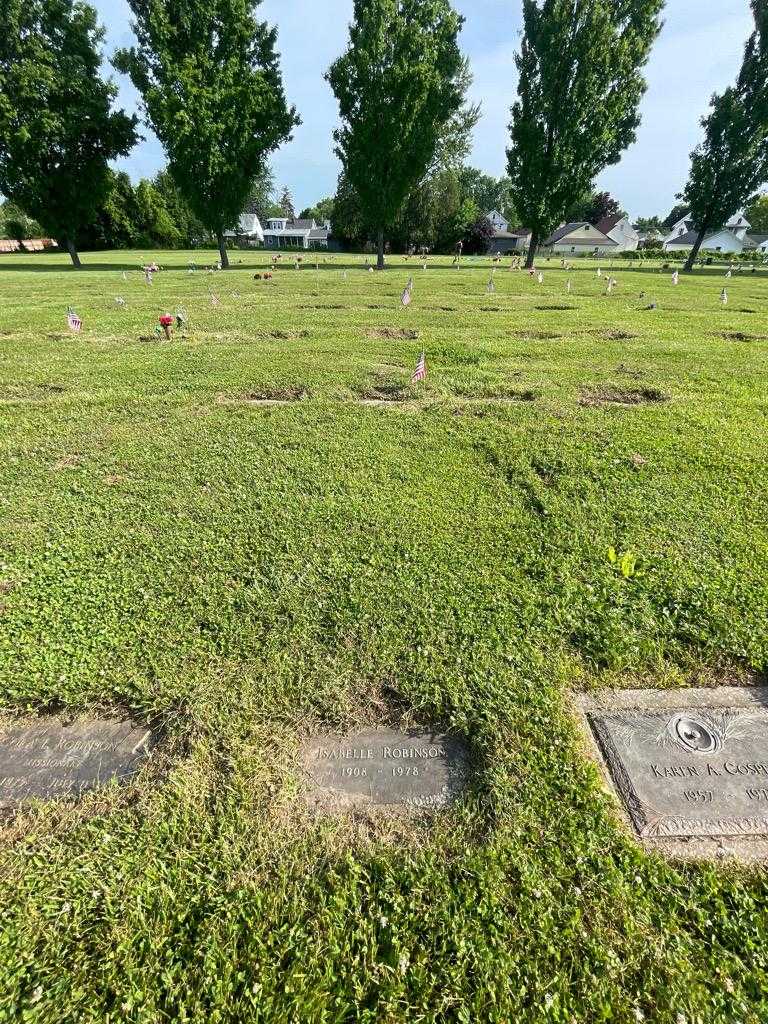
[(260, 529)]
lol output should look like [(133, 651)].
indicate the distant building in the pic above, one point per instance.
[(296, 233), (248, 230), (506, 239), (731, 238), (621, 231), (579, 238)]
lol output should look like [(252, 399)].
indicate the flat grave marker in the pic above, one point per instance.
[(387, 768), (50, 759), (688, 769)]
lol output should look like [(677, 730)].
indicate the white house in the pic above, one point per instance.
[(248, 230), (296, 233), (498, 222), (580, 237), (621, 231), (731, 238)]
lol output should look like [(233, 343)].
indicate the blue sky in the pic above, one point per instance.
[(698, 52)]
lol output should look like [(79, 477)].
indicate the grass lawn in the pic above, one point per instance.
[(242, 572)]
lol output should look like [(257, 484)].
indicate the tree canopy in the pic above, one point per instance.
[(399, 84), (580, 84), (57, 126), (757, 214), (732, 159), (212, 91)]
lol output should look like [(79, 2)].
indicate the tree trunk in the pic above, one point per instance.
[(73, 254), (532, 250), (380, 258), (694, 251), (223, 250)]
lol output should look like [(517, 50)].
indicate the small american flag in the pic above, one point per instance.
[(214, 299), (490, 287), (73, 321), (406, 298), (421, 369)]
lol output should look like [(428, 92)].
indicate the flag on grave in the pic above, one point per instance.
[(421, 369), (724, 297), (490, 287), (73, 321), (214, 299), (406, 297)]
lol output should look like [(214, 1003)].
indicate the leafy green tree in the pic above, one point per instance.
[(320, 212), (14, 223), (156, 228), (757, 214), (454, 142), (191, 229), (212, 91), (580, 85), (488, 193), (261, 197), (57, 126), (286, 203), (115, 225), (398, 85), (732, 160), (646, 224)]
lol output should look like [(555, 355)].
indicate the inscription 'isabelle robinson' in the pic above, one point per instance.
[(385, 767)]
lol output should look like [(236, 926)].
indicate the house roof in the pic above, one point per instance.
[(514, 233), (756, 239), (321, 232), (609, 223), (687, 238), (567, 229)]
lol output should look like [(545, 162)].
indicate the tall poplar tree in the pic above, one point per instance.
[(398, 85), (212, 91), (57, 126), (580, 84), (732, 161)]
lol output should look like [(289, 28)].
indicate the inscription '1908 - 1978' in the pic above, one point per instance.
[(384, 767)]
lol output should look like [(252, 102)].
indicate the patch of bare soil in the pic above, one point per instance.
[(266, 396), (442, 309), (741, 336), (621, 368), (381, 393), (616, 335), (537, 335), (29, 392), (547, 308), (333, 305), (68, 462), (609, 395), (392, 332), (283, 335)]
